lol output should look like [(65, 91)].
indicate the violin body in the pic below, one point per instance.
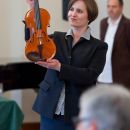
[(39, 46)]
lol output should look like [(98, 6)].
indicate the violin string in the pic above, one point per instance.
[(37, 15)]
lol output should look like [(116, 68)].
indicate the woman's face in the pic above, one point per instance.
[(78, 15)]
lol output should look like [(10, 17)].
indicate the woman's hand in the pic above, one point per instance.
[(50, 64), (31, 3)]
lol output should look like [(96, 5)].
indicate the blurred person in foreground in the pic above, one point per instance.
[(104, 107)]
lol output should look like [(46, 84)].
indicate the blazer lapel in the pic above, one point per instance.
[(65, 48), (104, 30), (119, 31)]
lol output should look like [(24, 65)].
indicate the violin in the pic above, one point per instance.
[(39, 46)]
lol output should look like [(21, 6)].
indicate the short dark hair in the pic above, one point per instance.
[(91, 7), (121, 2)]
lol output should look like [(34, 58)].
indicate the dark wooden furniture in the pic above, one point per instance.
[(20, 74)]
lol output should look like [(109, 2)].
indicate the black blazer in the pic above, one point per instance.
[(78, 73)]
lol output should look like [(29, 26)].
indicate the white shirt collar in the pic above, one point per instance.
[(116, 22), (86, 34)]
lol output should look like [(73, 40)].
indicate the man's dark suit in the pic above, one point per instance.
[(120, 52)]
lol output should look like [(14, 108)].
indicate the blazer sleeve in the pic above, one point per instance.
[(87, 75)]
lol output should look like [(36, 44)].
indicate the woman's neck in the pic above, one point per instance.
[(78, 32)]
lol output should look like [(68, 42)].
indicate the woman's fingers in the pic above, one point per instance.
[(42, 63), (51, 64)]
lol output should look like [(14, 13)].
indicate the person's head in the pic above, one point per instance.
[(115, 8), (82, 12), (104, 107)]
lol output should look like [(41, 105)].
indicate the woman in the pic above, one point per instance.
[(79, 60)]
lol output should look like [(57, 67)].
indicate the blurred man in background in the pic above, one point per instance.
[(104, 107), (115, 30)]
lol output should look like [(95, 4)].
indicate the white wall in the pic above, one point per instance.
[(102, 13), (11, 26)]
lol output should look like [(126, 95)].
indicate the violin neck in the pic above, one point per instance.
[(37, 14)]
